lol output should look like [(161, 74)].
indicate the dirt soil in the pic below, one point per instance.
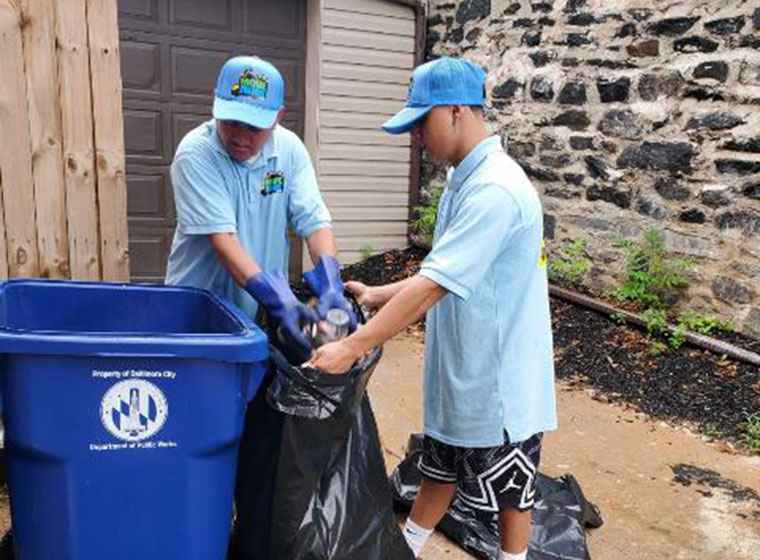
[(664, 491)]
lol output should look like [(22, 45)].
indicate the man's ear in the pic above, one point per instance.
[(456, 114), (280, 116)]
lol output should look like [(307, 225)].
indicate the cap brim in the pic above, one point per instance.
[(405, 119), (228, 110)]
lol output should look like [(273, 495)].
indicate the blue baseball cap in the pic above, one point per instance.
[(445, 81), (249, 90)]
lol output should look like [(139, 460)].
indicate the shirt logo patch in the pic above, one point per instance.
[(250, 85), (274, 182), (543, 258)]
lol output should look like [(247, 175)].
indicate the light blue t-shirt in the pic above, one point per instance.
[(256, 199), (489, 358)]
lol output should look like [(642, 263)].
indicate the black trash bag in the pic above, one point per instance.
[(321, 490), (6, 546), (561, 515)]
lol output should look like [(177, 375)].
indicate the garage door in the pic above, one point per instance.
[(171, 51)]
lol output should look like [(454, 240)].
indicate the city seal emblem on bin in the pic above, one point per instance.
[(134, 410)]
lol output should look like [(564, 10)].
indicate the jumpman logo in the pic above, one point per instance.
[(511, 484)]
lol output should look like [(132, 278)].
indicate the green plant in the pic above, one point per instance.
[(572, 267), (366, 251), (656, 321), (651, 276), (650, 273), (696, 322), (752, 432), (712, 431), (677, 336), (703, 324), (427, 214), (656, 348), (619, 318)]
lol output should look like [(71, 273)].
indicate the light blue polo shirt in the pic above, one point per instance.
[(489, 359), (256, 199)]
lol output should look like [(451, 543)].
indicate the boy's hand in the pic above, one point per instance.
[(336, 357), (366, 296)]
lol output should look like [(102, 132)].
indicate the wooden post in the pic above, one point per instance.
[(15, 148), (300, 259), (46, 137), (78, 150), (105, 70)]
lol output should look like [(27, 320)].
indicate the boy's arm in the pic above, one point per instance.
[(374, 297), (387, 292), (484, 220), (411, 302)]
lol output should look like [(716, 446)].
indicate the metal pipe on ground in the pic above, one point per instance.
[(701, 341)]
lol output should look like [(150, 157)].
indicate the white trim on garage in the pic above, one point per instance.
[(359, 57)]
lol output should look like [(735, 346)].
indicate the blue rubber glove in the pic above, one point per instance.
[(326, 284), (288, 315)]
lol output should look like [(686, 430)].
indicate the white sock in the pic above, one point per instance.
[(416, 536), (510, 556)]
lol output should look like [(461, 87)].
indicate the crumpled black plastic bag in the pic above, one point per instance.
[(560, 516), (323, 491), (6, 546), (310, 393)]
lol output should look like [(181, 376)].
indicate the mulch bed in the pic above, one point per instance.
[(714, 393)]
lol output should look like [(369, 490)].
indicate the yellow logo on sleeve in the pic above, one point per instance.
[(543, 258)]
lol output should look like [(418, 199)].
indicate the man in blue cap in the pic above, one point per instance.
[(489, 373), (239, 181)]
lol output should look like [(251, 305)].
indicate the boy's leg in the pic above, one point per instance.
[(515, 526), (438, 487), (503, 479), (432, 503)]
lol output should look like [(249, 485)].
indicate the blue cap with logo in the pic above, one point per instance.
[(249, 90), (445, 81)]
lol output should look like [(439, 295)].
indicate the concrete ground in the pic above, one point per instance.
[(625, 463)]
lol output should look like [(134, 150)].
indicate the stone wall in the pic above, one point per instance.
[(628, 116)]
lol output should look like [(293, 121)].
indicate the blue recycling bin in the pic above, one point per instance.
[(123, 410)]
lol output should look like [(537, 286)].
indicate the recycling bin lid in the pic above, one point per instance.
[(63, 317)]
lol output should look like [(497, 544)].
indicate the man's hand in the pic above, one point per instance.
[(336, 357), (325, 282), (273, 292)]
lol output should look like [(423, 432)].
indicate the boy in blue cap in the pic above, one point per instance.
[(239, 181), (489, 373)]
